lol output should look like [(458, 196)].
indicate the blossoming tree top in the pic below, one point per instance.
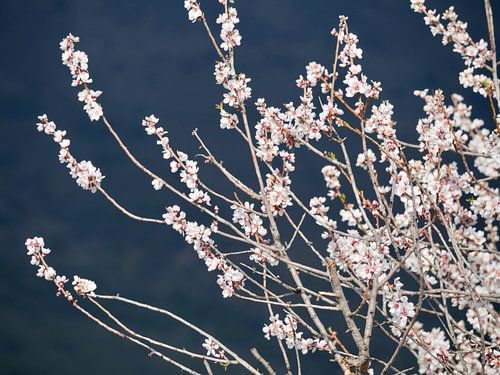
[(412, 258)]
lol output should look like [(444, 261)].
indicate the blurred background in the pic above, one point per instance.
[(148, 58)]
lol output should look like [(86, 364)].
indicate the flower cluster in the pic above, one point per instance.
[(300, 124), (213, 349), (198, 235), (475, 54), (194, 10), (437, 355), (269, 131), (330, 112), (331, 176), (434, 355), (400, 309), (287, 330), (262, 256), (319, 211), (306, 124), (228, 120), (229, 34), (87, 176), (249, 219), (356, 82), (381, 123), (361, 257), (314, 72), (77, 62), (365, 159), (277, 190), (83, 287), (435, 131), (179, 161), (486, 143), (222, 72), (37, 250), (350, 215), (238, 91), (236, 85)]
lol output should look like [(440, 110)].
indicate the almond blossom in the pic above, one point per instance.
[(83, 287), (193, 8), (287, 330), (199, 236), (38, 252), (230, 36), (249, 220), (77, 62), (87, 176), (213, 348), (366, 159), (475, 54), (400, 309)]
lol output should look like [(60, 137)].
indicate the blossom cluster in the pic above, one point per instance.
[(37, 251), (382, 123), (83, 286), (365, 159), (229, 34), (249, 220), (194, 10), (319, 211), (238, 91), (213, 349), (87, 176), (278, 192), (475, 55), (77, 62), (361, 257), (198, 235), (436, 130), (287, 330), (263, 256), (435, 354), (331, 175), (236, 85), (400, 309), (356, 82), (178, 161)]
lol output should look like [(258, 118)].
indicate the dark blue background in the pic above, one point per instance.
[(147, 58)]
